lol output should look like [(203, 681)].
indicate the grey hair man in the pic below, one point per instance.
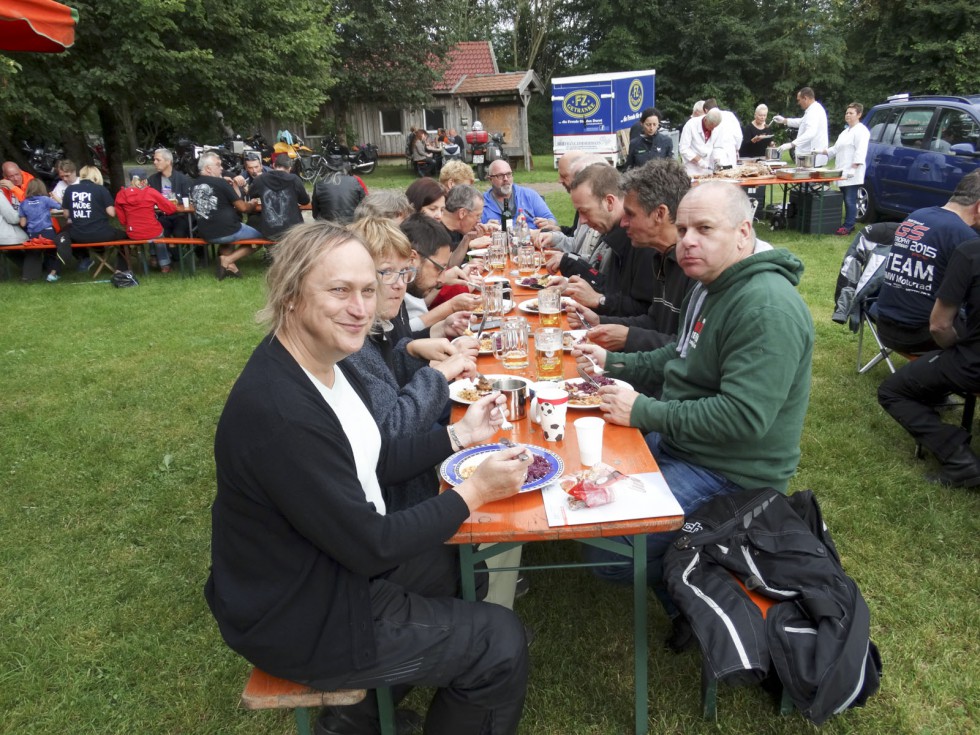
[(464, 208), (218, 209), (173, 184)]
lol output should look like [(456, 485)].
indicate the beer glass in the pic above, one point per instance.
[(510, 343), (548, 353), (549, 307), (525, 260)]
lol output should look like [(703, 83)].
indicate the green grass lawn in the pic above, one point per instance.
[(107, 424)]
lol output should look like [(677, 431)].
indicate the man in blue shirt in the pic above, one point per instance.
[(917, 263), (505, 198)]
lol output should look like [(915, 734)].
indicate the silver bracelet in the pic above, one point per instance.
[(454, 438)]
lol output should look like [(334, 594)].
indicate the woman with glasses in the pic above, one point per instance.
[(407, 378)]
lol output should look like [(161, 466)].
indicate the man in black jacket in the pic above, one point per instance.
[(281, 194), (620, 285), (336, 195), (171, 183), (652, 194)]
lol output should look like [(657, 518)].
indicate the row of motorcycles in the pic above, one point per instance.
[(43, 159), (359, 159)]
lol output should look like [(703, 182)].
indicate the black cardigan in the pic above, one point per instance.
[(294, 541)]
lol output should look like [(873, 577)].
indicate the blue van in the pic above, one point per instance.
[(920, 149)]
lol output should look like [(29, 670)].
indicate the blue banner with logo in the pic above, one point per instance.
[(600, 103)]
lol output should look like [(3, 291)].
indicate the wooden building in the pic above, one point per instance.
[(471, 89)]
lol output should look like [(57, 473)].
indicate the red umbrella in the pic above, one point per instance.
[(36, 25)]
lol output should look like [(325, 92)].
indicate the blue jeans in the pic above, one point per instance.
[(692, 486), (850, 205), (244, 233)]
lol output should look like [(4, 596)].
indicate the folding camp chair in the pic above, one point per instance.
[(861, 274)]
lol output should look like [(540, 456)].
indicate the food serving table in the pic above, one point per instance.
[(507, 524), (806, 186)]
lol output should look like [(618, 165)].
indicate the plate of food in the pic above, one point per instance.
[(470, 390), (507, 308), (531, 305), (545, 467), (573, 337), (534, 282), (584, 395)]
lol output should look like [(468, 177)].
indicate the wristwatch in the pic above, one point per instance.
[(602, 300)]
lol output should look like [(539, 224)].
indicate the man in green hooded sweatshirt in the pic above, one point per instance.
[(735, 383)]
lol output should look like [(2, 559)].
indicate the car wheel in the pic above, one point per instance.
[(866, 211)]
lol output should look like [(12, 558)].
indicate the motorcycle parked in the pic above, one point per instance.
[(484, 149), (43, 160), (361, 159), (97, 150), (145, 155), (188, 152), (257, 142)]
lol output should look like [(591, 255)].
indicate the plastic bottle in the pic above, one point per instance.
[(523, 232)]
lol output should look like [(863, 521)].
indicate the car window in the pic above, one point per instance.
[(882, 126), (912, 125), (955, 127)]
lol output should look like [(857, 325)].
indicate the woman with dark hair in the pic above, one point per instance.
[(427, 158), (427, 196)]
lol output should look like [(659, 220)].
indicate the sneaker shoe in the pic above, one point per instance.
[(842, 231), (165, 269), (51, 277), (85, 264)]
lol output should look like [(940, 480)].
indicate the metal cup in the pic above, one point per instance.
[(515, 391)]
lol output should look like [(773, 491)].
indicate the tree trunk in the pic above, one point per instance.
[(340, 119), (111, 134)]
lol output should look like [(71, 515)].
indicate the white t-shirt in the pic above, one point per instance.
[(356, 420)]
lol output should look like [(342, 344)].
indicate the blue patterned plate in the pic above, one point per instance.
[(463, 462)]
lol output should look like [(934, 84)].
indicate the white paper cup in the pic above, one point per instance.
[(588, 430), (186, 202)]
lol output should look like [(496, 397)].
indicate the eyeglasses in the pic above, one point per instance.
[(391, 277), (253, 156), (508, 175), (440, 266)]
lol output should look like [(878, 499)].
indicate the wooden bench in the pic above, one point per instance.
[(264, 691), (709, 684), (185, 250)]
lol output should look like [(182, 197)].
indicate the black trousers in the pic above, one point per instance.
[(903, 338), (475, 652), (910, 394)]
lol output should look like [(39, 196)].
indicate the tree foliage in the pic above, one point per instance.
[(152, 63)]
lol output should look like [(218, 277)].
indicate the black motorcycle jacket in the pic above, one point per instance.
[(336, 196)]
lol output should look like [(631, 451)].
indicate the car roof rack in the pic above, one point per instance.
[(906, 97)]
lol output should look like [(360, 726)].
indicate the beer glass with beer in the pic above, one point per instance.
[(510, 343), (549, 307), (525, 260), (548, 353)]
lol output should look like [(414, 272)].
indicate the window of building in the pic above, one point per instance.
[(391, 122), (435, 119)]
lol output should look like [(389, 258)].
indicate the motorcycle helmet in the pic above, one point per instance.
[(477, 125)]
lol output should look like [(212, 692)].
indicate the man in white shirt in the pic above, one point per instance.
[(813, 127)]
